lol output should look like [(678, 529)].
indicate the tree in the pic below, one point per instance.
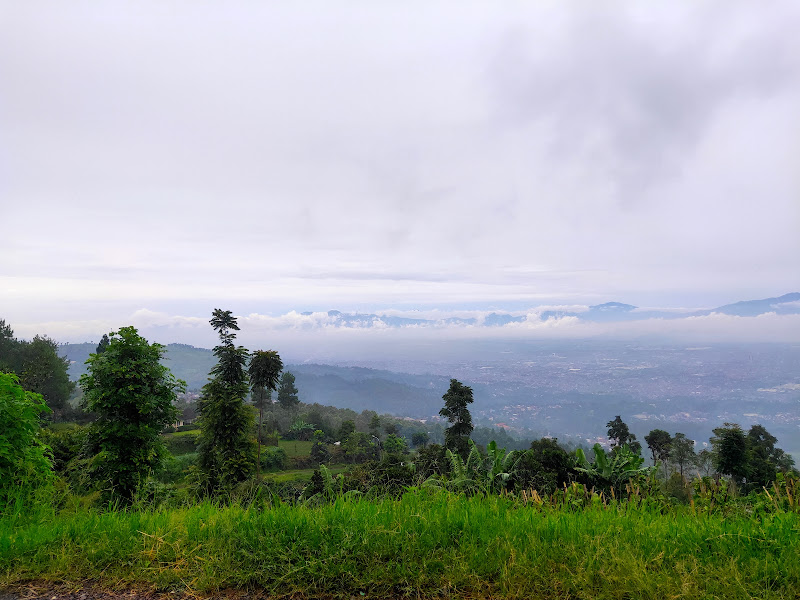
[(24, 460), (611, 470), (659, 442), (287, 392), (619, 434), (132, 394), (319, 449), (101, 347), (226, 449), (390, 428), (544, 468), (37, 365), (765, 459), (682, 452), (8, 349), (345, 429), (705, 462), (730, 450), (456, 400), (264, 370), (45, 372), (394, 444), (419, 439), (375, 425)]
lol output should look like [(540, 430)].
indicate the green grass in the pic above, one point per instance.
[(296, 449), (300, 474), (426, 544)]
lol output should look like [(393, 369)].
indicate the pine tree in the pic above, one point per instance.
[(456, 437), (287, 392)]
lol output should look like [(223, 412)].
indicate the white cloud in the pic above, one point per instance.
[(275, 157)]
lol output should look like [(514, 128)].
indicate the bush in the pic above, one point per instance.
[(273, 458), (183, 443), (24, 460), (175, 468)]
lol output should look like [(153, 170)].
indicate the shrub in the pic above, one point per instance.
[(24, 460)]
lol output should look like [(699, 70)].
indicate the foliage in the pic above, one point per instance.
[(37, 364), (420, 439), (182, 442), (274, 458), (431, 460), (545, 467), (358, 447), (766, 460), (104, 342), (478, 474), (319, 450), (730, 451), (456, 400), (375, 425), (287, 392), (45, 372), (132, 393), (300, 430), (393, 444), (24, 460), (659, 442), (614, 470), (620, 435), (227, 450), (682, 452), (264, 370), (346, 429)]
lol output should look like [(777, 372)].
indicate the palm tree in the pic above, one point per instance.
[(265, 369)]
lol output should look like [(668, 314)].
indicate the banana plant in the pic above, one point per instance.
[(501, 466), (478, 474), (613, 469)]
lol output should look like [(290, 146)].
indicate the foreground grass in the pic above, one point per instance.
[(422, 545)]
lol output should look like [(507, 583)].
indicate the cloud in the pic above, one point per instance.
[(340, 335), (276, 158)]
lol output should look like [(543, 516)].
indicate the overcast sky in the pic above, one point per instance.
[(262, 157)]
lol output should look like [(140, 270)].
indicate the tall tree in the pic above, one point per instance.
[(375, 424), (226, 449), (456, 401), (765, 458), (730, 451), (104, 342), (682, 452), (264, 370), (620, 435), (45, 372), (287, 392), (9, 345), (132, 394), (659, 442), (37, 365)]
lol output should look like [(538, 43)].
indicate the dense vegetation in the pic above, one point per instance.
[(338, 503)]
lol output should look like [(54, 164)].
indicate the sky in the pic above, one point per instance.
[(161, 159)]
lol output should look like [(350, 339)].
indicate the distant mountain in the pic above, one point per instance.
[(356, 388), (788, 304)]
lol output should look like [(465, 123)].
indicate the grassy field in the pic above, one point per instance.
[(295, 448), (424, 545)]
